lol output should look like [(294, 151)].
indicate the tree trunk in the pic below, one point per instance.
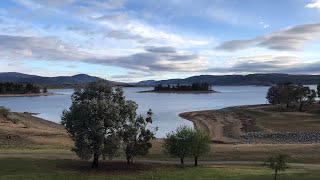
[(300, 107), (196, 161), (287, 105), (128, 160), (181, 160), (131, 160), (95, 160), (275, 174)]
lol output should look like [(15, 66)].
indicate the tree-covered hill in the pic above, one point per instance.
[(250, 79)]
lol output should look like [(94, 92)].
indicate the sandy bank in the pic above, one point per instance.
[(222, 126)]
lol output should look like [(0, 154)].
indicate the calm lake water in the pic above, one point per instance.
[(166, 107)]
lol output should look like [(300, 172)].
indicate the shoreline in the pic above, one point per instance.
[(217, 123), (180, 92), (257, 124), (29, 95)]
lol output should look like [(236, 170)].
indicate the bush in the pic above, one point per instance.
[(4, 111), (15, 120)]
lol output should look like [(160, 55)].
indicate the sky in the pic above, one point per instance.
[(135, 40)]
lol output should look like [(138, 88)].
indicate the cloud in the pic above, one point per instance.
[(105, 4), (270, 64), (314, 4), (152, 60), (125, 35), (125, 26), (133, 76), (104, 22), (82, 30), (290, 39), (119, 18), (13, 47), (51, 49), (155, 61), (72, 66), (160, 49), (108, 4)]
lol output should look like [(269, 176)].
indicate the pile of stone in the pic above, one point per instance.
[(285, 137)]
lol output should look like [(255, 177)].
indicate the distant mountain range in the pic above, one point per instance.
[(226, 80), (232, 80), (51, 82)]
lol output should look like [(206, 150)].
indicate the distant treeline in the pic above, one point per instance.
[(178, 87), (16, 88)]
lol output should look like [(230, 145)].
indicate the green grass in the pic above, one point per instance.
[(35, 168)]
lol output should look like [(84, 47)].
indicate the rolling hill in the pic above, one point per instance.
[(51, 82), (250, 79)]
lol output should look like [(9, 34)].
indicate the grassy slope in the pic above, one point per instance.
[(22, 131), (279, 119)]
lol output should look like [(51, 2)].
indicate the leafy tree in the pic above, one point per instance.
[(177, 144), (114, 145), (94, 119), (278, 163), (287, 94), (200, 145), (273, 95), (281, 94), (318, 90), (304, 95), (136, 135)]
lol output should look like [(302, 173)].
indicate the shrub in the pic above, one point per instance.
[(4, 111)]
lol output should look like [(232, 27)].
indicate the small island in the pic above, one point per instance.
[(193, 88), (18, 89)]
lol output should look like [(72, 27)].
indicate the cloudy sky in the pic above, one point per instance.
[(133, 40)]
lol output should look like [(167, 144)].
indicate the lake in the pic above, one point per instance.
[(166, 107)]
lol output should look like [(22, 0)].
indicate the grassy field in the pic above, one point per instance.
[(32, 148), (37, 168), (299, 153), (270, 118)]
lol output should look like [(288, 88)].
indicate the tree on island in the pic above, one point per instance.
[(193, 87), (17, 88), (278, 163), (97, 119)]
